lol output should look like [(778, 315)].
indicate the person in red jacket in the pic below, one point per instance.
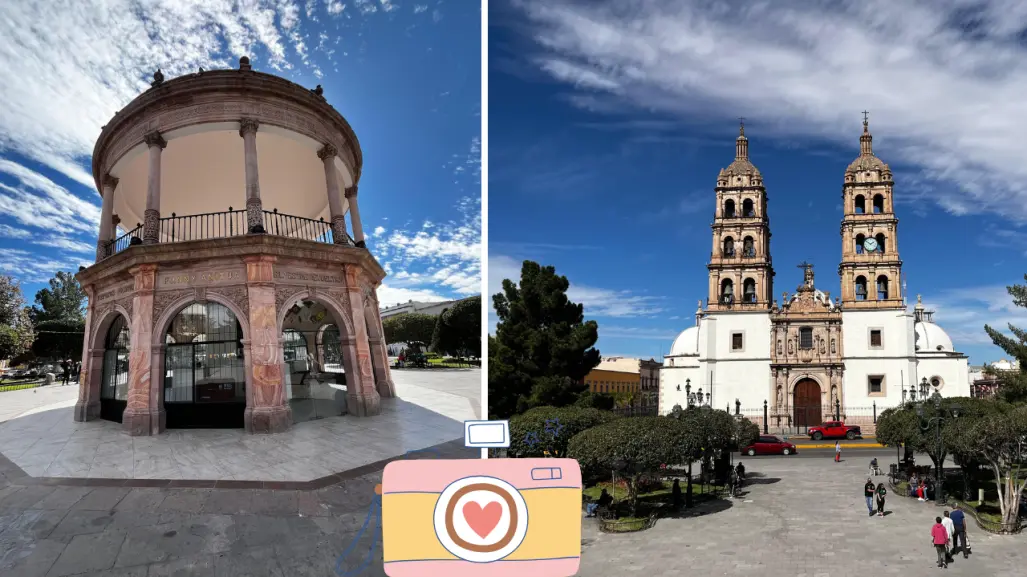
[(940, 538)]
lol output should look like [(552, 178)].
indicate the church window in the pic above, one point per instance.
[(875, 384), (806, 338), (861, 288), (860, 239), (882, 288), (780, 349), (747, 209), (729, 208), (727, 291), (936, 382), (880, 242), (878, 204), (833, 350), (749, 290), (736, 341), (875, 338), (860, 204), (729, 246), (748, 247)]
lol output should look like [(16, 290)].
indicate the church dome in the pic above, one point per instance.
[(866, 159), (931, 337), (741, 166), (687, 343)]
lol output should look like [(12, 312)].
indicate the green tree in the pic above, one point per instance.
[(409, 328), (436, 333), (999, 440), (60, 339), (63, 301), (632, 446), (601, 401), (458, 331), (909, 426), (1012, 384), (545, 430), (15, 326), (542, 342)]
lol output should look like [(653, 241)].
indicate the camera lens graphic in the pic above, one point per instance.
[(481, 519)]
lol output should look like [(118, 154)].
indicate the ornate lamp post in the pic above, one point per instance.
[(926, 422)]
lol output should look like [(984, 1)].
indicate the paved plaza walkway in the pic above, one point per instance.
[(39, 435), (801, 518)]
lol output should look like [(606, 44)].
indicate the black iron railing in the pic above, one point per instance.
[(227, 224)]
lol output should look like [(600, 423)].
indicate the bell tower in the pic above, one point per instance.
[(870, 269), (741, 275)]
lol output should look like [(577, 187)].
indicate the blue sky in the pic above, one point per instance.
[(608, 123), (406, 75)]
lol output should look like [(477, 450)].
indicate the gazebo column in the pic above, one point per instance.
[(354, 215), (140, 416), (151, 217), (327, 155), (266, 408), (380, 353), (362, 398), (254, 209), (87, 407), (106, 217)]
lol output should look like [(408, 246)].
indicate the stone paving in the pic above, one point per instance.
[(801, 518)]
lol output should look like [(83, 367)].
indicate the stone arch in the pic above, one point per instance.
[(163, 322), (729, 208), (87, 407), (103, 324), (807, 394), (334, 307)]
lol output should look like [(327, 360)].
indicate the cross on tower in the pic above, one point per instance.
[(807, 276), (741, 125), (865, 115)]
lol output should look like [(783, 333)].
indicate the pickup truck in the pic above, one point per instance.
[(834, 430)]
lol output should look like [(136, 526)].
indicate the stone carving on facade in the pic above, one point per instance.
[(158, 79), (342, 297), (282, 294), (151, 226), (162, 300), (239, 295)]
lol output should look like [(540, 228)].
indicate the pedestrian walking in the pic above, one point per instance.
[(838, 452), (940, 537), (77, 372), (881, 493), (950, 527), (66, 367), (868, 493), (959, 533)]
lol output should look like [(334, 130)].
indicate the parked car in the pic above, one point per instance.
[(770, 445), (835, 430)]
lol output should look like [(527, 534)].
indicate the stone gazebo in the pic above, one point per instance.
[(218, 241)]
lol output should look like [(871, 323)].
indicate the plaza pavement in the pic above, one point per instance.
[(800, 518), (39, 435)]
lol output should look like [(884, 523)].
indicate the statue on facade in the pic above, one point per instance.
[(158, 79)]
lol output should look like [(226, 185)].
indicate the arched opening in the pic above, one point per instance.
[(749, 290), (729, 208), (880, 242), (114, 383), (748, 247), (727, 291), (860, 204), (878, 204), (748, 209), (806, 403), (861, 288), (315, 386), (882, 288), (860, 239), (204, 371), (729, 246)]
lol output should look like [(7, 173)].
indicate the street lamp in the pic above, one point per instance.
[(926, 422)]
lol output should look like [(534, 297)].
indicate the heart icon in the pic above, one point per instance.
[(482, 519)]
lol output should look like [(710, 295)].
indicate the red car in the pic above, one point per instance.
[(834, 430), (769, 445)]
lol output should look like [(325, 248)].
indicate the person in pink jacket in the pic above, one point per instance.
[(940, 538)]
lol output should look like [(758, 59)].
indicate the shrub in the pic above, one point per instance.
[(548, 429)]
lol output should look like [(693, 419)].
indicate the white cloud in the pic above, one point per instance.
[(943, 79), (420, 8), (963, 312), (612, 331), (334, 6), (37, 201), (32, 268)]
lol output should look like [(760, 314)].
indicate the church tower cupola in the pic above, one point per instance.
[(741, 275), (870, 269)]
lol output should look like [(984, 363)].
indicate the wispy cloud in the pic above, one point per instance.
[(915, 65), (32, 268), (963, 312), (613, 331)]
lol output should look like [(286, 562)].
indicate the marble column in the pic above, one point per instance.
[(115, 221), (254, 209), (138, 418), (380, 354), (327, 155), (87, 407), (362, 397), (151, 217), (106, 221), (354, 216), (266, 407)]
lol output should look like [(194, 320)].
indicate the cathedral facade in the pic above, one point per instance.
[(808, 356)]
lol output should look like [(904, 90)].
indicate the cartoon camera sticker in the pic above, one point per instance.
[(482, 517)]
